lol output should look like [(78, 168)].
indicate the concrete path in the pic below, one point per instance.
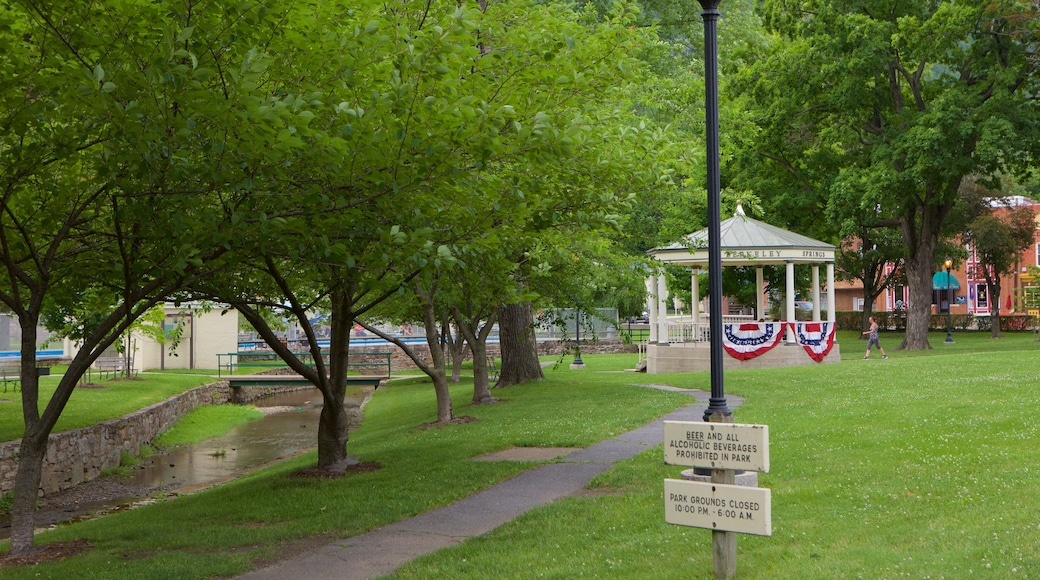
[(383, 550)]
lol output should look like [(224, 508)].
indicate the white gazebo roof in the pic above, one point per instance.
[(747, 242)]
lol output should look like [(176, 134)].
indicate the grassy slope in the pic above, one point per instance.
[(89, 406)]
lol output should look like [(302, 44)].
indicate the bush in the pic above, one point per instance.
[(1008, 323)]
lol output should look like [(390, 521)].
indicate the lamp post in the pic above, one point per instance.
[(717, 401), (949, 302), (578, 363)]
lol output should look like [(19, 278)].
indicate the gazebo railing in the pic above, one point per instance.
[(688, 331)]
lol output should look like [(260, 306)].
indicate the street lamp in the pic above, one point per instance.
[(578, 363), (949, 303), (717, 402)]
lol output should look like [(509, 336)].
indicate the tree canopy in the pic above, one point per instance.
[(898, 101)]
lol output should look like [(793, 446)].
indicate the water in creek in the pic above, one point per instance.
[(293, 427), (290, 426)]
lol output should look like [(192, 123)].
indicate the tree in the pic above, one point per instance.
[(874, 258), (107, 167), (908, 98)]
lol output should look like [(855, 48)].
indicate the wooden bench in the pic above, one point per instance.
[(10, 375), (113, 366)]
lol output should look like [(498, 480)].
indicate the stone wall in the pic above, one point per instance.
[(82, 454), (400, 361)]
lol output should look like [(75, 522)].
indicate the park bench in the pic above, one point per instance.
[(112, 366), (10, 375)]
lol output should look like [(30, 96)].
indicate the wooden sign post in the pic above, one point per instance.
[(720, 506)]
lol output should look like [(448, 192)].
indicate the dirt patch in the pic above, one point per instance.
[(326, 473), (600, 492), (53, 552), (461, 420), (527, 454)]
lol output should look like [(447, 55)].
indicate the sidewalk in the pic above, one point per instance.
[(381, 551)]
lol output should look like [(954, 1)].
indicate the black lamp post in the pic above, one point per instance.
[(578, 363), (717, 401), (949, 303)]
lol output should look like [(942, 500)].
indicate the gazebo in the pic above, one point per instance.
[(684, 345)]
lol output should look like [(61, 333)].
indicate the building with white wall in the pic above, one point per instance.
[(206, 332)]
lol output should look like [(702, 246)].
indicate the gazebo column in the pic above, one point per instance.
[(695, 288), (831, 315), (662, 309), (651, 306), (790, 301), (816, 292), (760, 294)]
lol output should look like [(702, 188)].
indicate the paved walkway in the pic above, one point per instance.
[(382, 551)]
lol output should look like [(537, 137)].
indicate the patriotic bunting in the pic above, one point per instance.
[(750, 339), (817, 338)]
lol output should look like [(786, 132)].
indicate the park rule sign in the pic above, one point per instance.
[(716, 506), (717, 445)]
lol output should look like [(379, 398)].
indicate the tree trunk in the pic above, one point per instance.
[(995, 316), (333, 433), (481, 384), (519, 346), (439, 373), (457, 346), (334, 424), (26, 491), (919, 270), (33, 446), (920, 228)]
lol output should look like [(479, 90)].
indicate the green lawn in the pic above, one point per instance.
[(91, 405), (920, 466)]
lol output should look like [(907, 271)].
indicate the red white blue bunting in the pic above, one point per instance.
[(750, 339), (817, 338)]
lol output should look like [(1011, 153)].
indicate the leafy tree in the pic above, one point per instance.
[(903, 99), (113, 122)]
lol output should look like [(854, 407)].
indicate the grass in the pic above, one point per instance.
[(923, 465), (89, 406), (205, 423)]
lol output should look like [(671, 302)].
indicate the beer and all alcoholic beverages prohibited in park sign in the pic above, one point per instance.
[(717, 445), (716, 506)]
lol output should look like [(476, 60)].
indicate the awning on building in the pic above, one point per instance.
[(941, 282)]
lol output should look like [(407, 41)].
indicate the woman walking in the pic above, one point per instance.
[(873, 340)]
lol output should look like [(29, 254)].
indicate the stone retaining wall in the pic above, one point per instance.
[(400, 361), (82, 454)]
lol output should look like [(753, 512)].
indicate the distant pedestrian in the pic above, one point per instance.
[(873, 340)]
